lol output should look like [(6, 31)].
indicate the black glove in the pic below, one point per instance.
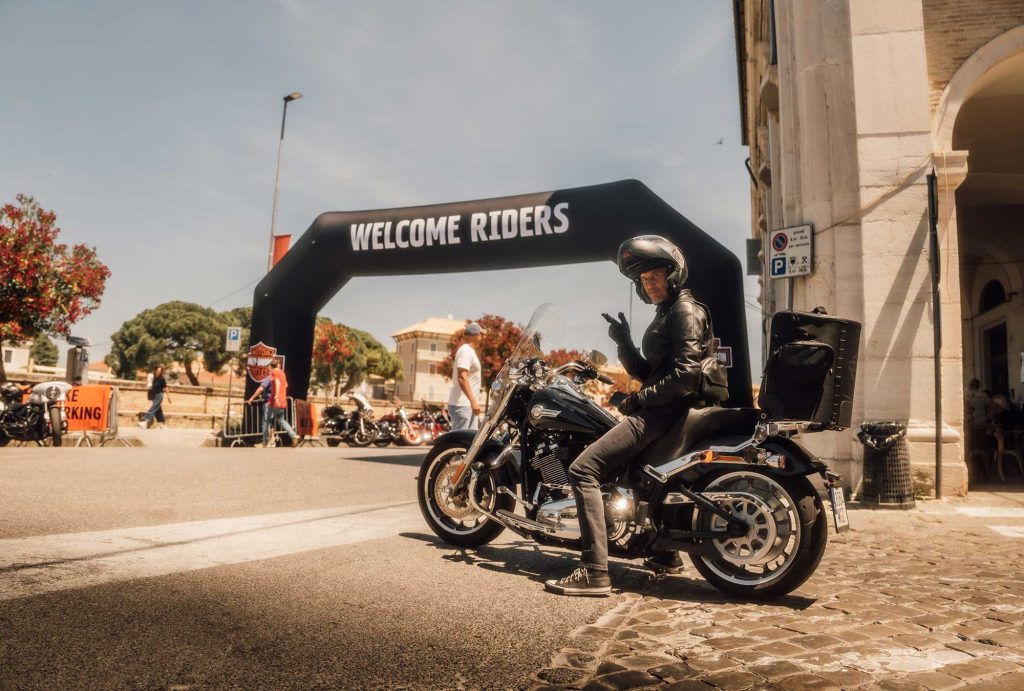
[(630, 404), (618, 331)]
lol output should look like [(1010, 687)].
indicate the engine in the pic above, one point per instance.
[(551, 458)]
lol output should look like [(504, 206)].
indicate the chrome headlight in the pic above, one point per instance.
[(52, 392)]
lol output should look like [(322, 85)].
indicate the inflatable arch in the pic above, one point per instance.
[(581, 224)]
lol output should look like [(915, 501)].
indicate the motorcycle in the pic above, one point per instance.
[(730, 487), (433, 421), (399, 428), (39, 417), (355, 428)]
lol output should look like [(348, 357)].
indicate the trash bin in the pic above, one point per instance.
[(887, 480)]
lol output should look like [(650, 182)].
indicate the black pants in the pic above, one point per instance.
[(616, 447)]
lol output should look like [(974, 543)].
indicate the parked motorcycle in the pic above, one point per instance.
[(728, 486), (355, 428), (398, 427), (433, 421), (39, 417)]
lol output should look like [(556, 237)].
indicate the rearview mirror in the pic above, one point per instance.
[(598, 358)]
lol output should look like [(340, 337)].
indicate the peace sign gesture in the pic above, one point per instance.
[(618, 330)]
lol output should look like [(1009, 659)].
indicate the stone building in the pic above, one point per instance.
[(421, 347), (846, 107)]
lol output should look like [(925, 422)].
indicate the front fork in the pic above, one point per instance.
[(461, 478)]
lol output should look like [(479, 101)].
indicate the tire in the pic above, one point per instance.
[(411, 436), (4, 439), (798, 541), (449, 524), (332, 442), (365, 438), (56, 426)]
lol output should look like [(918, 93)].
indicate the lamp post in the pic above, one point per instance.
[(277, 176)]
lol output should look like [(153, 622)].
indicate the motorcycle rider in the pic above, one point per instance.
[(673, 347)]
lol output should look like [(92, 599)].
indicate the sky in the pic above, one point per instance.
[(151, 129)]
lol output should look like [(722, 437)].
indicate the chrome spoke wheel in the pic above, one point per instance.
[(769, 546), (451, 509)]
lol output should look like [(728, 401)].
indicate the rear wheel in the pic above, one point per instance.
[(450, 515), (787, 534), (56, 426)]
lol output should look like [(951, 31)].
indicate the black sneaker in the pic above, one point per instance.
[(582, 582), (666, 563)]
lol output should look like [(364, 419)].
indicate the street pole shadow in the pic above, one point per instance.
[(540, 562), (411, 460)]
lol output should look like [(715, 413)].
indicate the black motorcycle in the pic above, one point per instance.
[(728, 486), (355, 428), (36, 419)]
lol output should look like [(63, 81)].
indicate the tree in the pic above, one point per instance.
[(172, 332), (43, 351), (239, 316), (45, 286), (343, 357), (561, 356), (493, 349)]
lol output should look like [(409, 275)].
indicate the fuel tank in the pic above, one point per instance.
[(562, 408)]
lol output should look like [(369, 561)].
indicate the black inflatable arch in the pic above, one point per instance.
[(581, 224)]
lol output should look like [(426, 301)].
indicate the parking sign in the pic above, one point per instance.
[(790, 252), (234, 340)]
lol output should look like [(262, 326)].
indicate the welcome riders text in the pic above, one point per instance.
[(504, 224)]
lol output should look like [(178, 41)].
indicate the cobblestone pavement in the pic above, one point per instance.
[(931, 598)]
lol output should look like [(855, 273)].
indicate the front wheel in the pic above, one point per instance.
[(56, 426), (363, 436), (786, 536), (450, 515)]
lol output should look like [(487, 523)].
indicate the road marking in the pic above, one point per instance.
[(991, 511), (1009, 530), (49, 563)]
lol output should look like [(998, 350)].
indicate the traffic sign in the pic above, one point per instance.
[(234, 339), (790, 252)]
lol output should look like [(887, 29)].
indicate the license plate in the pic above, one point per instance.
[(842, 520)]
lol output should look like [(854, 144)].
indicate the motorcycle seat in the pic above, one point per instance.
[(697, 427)]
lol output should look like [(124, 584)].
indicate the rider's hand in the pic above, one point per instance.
[(630, 404), (618, 330)]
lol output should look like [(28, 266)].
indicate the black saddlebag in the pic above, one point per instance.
[(811, 369)]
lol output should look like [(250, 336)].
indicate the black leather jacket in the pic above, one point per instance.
[(673, 346)]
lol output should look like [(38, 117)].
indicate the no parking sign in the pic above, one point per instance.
[(790, 252)]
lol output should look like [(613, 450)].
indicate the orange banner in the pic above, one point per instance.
[(86, 408), (282, 243), (305, 418)]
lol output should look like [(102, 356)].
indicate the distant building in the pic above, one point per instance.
[(846, 108), (15, 358), (421, 348)]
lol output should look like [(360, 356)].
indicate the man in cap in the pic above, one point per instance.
[(463, 408)]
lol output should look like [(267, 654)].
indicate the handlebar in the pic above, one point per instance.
[(584, 368), (605, 379)]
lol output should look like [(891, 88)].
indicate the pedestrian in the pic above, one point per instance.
[(276, 386), (157, 393), (674, 345), (463, 408), (978, 403)]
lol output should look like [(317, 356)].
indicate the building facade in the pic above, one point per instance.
[(421, 348), (847, 106)]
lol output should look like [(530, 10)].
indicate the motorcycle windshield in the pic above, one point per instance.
[(542, 334)]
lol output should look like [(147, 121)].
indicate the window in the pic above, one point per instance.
[(992, 295), (8, 355), (433, 349), (433, 368)]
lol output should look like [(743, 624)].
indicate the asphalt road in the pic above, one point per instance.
[(258, 568)]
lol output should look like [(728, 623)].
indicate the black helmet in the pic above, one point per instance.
[(646, 252), (11, 392)]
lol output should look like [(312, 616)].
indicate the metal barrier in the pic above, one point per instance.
[(243, 424)]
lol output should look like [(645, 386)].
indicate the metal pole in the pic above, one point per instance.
[(277, 178), (933, 247)]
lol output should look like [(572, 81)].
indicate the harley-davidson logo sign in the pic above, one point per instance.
[(258, 361)]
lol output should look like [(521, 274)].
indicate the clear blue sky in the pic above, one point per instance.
[(151, 129)]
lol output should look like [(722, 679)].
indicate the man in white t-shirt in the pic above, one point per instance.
[(463, 408)]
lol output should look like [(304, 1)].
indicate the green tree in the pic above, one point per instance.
[(172, 332), (43, 351), (239, 316), (45, 286)]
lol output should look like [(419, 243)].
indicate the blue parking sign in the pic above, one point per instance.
[(778, 267)]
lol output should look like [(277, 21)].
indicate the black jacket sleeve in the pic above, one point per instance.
[(688, 325), (633, 362)]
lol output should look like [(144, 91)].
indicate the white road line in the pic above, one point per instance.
[(1009, 530), (48, 563), (991, 511)]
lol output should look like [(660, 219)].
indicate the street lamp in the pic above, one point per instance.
[(277, 176)]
